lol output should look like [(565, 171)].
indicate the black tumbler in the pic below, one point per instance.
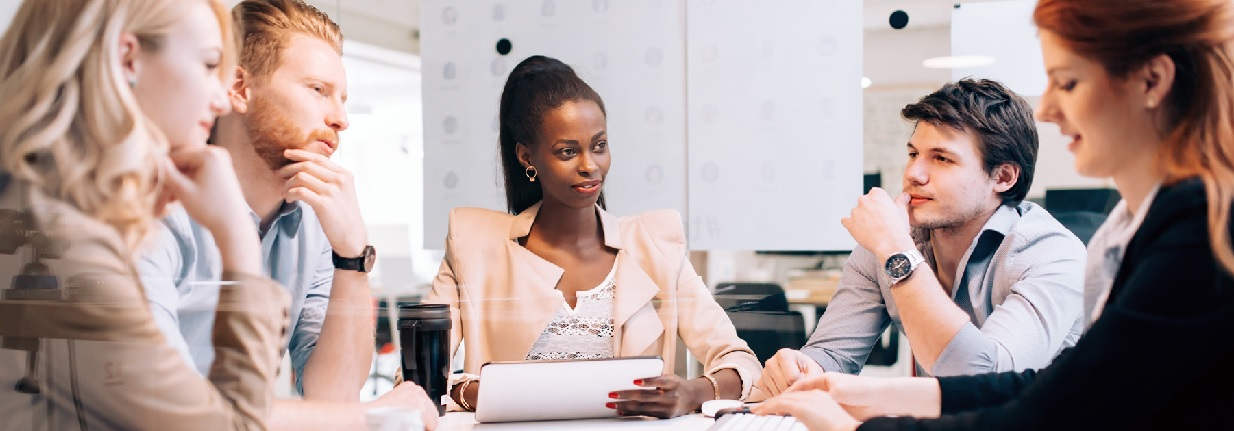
[(424, 331)]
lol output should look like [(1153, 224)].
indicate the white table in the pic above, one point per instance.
[(465, 421)]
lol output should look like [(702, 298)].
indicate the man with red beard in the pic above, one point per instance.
[(288, 110)]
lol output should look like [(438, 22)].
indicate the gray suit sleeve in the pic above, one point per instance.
[(854, 319)]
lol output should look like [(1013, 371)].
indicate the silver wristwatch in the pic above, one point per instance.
[(900, 265)]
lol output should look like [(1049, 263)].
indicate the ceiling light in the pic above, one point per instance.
[(865, 82), (958, 62)]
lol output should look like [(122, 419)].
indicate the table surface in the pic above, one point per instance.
[(466, 421)]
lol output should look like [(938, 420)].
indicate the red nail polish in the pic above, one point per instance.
[(612, 395), (611, 405), (639, 382)]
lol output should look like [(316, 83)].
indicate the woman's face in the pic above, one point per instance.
[(572, 156), (1108, 119), (178, 84)]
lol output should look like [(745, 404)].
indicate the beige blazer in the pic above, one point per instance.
[(93, 352), (502, 295)]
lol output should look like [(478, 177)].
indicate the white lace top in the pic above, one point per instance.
[(584, 332)]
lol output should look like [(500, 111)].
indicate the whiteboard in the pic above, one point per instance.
[(775, 123)]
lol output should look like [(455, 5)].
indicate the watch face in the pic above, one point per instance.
[(370, 257), (898, 266)]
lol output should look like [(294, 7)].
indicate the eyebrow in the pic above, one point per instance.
[(598, 135), (934, 150)]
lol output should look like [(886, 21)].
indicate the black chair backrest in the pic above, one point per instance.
[(751, 297), (769, 331), (1081, 223)]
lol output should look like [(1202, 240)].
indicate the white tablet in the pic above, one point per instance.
[(550, 390)]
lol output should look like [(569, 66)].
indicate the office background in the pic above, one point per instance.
[(759, 121)]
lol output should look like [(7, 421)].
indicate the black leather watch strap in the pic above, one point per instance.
[(362, 263)]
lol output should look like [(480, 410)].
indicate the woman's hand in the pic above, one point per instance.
[(204, 182), (814, 408), (670, 396), (469, 396), (867, 397)]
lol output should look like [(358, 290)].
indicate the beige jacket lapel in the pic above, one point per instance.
[(634, 318), (530, 299)]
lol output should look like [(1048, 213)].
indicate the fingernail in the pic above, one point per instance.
[(612, 395), (611, 405), (638, 382)]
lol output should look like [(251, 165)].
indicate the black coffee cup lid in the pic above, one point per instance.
[(424, 311)]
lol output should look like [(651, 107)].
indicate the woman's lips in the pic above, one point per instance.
[(1075, 142), (587, 188)]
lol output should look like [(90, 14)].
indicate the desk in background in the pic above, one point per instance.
[(465, 421), (807, 291)]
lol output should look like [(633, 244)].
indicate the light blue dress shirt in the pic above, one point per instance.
[(181, 268), (1020, 283)]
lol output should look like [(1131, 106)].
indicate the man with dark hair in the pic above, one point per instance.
[(978, 279)]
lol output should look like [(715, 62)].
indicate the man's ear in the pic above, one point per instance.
[(1005, 177), (238, 92)]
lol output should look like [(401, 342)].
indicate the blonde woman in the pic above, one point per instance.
[(108, 104)]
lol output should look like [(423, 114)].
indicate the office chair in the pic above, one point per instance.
[(751, 297), (1081, 211), (769, 331)]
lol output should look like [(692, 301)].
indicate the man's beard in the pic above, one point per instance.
[(272, 133), (949, 221)]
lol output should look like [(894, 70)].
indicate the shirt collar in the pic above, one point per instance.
[(287, 219), (1001, 223), (521, 225)]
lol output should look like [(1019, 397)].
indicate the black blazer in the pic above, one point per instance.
[(1161, 356)]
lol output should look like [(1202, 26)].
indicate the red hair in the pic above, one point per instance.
[(1198, 36)]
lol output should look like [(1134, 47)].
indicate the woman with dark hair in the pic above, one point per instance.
[(558, 277), (1145, 91)]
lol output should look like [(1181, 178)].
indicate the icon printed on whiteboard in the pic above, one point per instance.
[(499, 12), (449, 125), (769, 172), (654, 174), (710, 53), (710, 113), (600, 6), (548, 8), (768, 110), (653, 57), (451, 180), (654, 116), (711, 172), (449, 15), (449, 71), (827, 46)]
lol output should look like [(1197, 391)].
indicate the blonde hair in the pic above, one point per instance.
[(263, 28), (72, 126), (1198, 35)]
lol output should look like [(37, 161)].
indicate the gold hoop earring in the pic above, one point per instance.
[(531, 173)]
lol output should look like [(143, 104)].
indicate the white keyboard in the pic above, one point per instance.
[(750, 422)]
